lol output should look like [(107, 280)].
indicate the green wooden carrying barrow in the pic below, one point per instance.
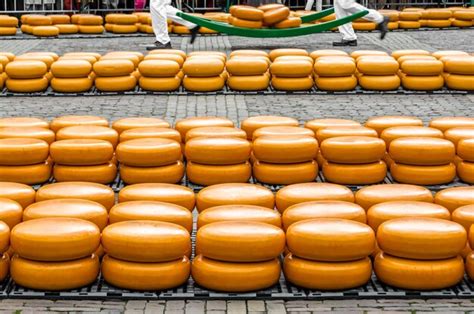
[(274, 32)]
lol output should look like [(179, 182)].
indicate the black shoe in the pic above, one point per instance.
[(194, 32), (345, 43), (158, 45), (383, 27)]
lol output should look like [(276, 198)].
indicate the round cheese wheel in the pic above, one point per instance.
[(71, 85), (235, 277), (268, 7), (114, 67), (446, 123), (159, 68), (216, 174), (172, 173), (379, 82), (379, 213), (162, 192), (357, 53), (68, 208), (4, 236), (167, 56), (459, 65), (22, 151), (246, 66), (248, 52), (240, 241), (414, 57), (145, 276), (290, 22), (424, 83), (4, 266), (248, 13), (81, 152), (160, 84), (275, 16), (327, 52), (20, 193), (460, 82), (115, 84), (383, 122), (46, 58), (427, 151), (317, 124), (452, 198), (152, 210), (337, 131), (438, 23), (421, 238), (104, 173), (217, 150), (30, 174), (470, 265), (184, 125), (150, 132), (282, 131), (372, 195), (217, 131), (146, 241), (66, 121), (355, 174), (23, 122), (10, 212), (124, 29), (418, 274), (148, 152), (83, 53), (323, 209), (343, 83), (8, 21), (328, 67), (203, 67), (285, 149), (203, 84), (88, 132), (250, 125), (283, 174), (9, 55), (67, 28), (458, 133), (91, 29), (43, 239), (247, 213), (234, 194), (392, 133), (248, 83), (26, 69), (71, 68), (330, 239), (27, 85), (409, 52), (464, 216), (291, 68), (465, 171), (275, 53), (121, 56), (313, 191), (437, 14), (58, 276), (353, 149), (45, 31), (330, 276), (88, 19), (423, 175), (377, 66)]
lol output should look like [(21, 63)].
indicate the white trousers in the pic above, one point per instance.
[(160, 11), (344, 8)]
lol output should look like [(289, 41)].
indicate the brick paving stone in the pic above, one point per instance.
[(195, 307), (138, 305), (77, 309), (255, 306), (133, 311), (175, 305), (174, 311), (236, 307), (216, 305)]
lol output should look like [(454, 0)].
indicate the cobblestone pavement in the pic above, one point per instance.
[(238, 107)]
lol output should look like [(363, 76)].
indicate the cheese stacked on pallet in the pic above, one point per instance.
[(44, 261), (246, 16), (378, 73), (238, 256), (335, 73), (394, 17), (26, 76), (38, 25), (459, 72), (420, 253), (437, 17), (354, 160), (145, 23), (71, 76), (63, 23), (248, 70), (47, 58), (465, 168), (291, 69), (409, 19), (421, 74), (88, 23), (115, 74), (8, 25), (463, 18), (121, 23), (146, 255), (329, 254), (204, 71), (160, 75)]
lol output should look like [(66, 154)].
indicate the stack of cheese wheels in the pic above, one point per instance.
[(422, 160), (248, 70), (71, 76), (145, 24), (63, 23), (463, 18), (88, 23), (246, 16), (114, 75), (10, 211), (378, 73), (459, 73), (409, 19), (20, 193), (41, 26), (422, 74), (362, 24), (437, 17), (420, 253), (292, 73), (238, 256), (47, 58), (285, 159), (335, 73), (88, 160), (24, 160), (214, 160), (159, 75), (204, 73), (121, 23), (354, 160), (26, 76), (329, 254), (146, 255), (465, 167), (250, 125), (8, 25), (393, 16), (44, 261), (381, 123)]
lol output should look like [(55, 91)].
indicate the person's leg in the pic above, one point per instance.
[(346, 30), (372, 16), (159, 22), (171, 14)]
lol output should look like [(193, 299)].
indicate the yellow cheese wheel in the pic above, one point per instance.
[(4, 236), (45, 31), (161, 192), (88, 132), (414, 57), (240, 241), (409, 52), (355, 174), (171, 173), (45, 58), (121, 56), (423, 83), (66, 121), (422, 67), (465, 171), (247, 13), (460, 82), (4, 266), (446, 123), (82, 53), (91, 29), (250, 125), (291, 68), (184, 125), (58, 276), (217, 131), (292, 83), (23, 122), (145, 276), (234, 194), (392, 133), (216, 174), (250, 213), (9, 55), (357, 53), (268, 7), (438, 23), (148, 152), (453, 198), (248, 83), (146, 241), (470, 265), (423, 175), (437, 14), (158, 68), (323, 209), (20, 193), (88, 19), (458, 133), (165, 57), (8, 21), (30, 174), (60, 18), (10, 211), (283, 174), (246, 66), (248, 52), (168, 52), (81, 152), (203, 67), (43, 239), (203, 84), (150, 132), (26, 69), (285, 149), (275, 53), (71, 85), (160, 84), (343, 83), (314, 191), (282, 131), (464, 216), (375, 82), (417, 274), (337, 131), (330, 276), (114, 67), (22, 151), (327, 52), (428, 151), (328, 67), (27, 85), (104, 173), (317, 124), (459, 65), (353, 149), (290, 22), (152, 210), (115, 84), (8, 31), (375, 194), (71, 68), (217, 150), (383, 122), (275, 16), (124, 29), (235, 277)]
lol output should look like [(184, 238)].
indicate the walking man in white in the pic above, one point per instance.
[(160, 11)]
